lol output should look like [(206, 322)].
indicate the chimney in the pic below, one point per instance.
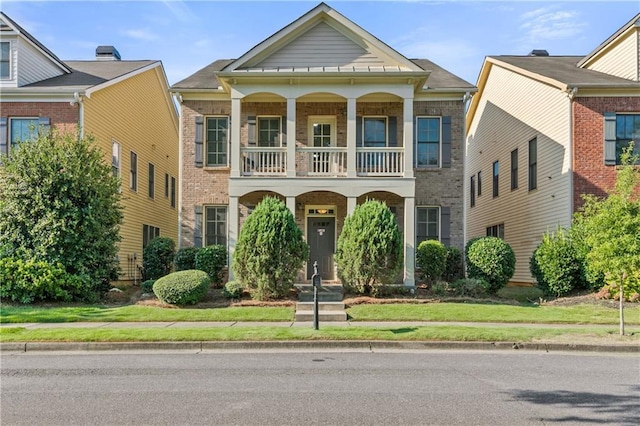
[(539, 52), (107, 53)]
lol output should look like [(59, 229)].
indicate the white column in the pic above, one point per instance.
[(291, 205), (233, 230), (352, 202), (408, 137), (234, 155), (291, 138), (351, 138), (409, 241)]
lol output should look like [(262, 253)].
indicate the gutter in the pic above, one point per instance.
[(178, 97), (78, 99)]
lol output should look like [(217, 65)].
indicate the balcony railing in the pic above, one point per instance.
[(322, 162)]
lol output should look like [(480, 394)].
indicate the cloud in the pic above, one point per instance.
[(140, 34), (548, 23), (181, 11)]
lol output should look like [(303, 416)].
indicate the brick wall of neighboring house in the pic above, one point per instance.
[(590, 174), (444, 187), (63, 116)]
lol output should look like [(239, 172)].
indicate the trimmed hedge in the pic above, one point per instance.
[(182, 287), (158, 257), (212, 260), (185, 259), (431, 258), (491, 259)]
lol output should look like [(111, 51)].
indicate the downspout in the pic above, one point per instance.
[(77, 100), (571, 93), (465, 105), (178, 98)]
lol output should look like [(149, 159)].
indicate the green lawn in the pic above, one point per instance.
[(239, 333)]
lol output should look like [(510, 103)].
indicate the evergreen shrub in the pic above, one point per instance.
[(431, 258), (185, 258), (212, 260), (182, 287), (157, 258), (491, 259)]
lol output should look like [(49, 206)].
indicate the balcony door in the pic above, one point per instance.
[(322, 131)]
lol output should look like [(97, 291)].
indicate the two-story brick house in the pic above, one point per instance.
[(323, 115), (544, 130), (125, 105)]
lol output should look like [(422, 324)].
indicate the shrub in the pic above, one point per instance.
[(212, 260), (431, 258), (157, 258), (147, 286), (185, 258), (453, 269), (270, 250), (233, 290), (182, 287), (60, 204), (32, 280), (556, 265), (369, 252), (491, 259), (469, 287)]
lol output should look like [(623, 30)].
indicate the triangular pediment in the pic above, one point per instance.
[(322, 40)]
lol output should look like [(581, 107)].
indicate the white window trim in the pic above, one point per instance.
[(415, 148), (321, 119), (386, 129), (204, 223), (205, 141), (439, 221), (10, 77)]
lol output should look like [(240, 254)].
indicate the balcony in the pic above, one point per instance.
[(322, 162)]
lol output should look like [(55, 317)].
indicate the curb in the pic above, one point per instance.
[(356, 345)]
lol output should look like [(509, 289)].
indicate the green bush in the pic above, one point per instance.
[(431, 258), (212, 260), (369, 252), (31, 280), (60, 204), (182, 287), (556, 264), (491, 259), (147, 286), (185, 258), (453, 269), (233, 290), (157, 258), (270, 250), (469, 287)]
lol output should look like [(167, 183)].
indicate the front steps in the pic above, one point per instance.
[(330, 306)]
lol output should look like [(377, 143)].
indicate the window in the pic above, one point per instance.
[(115, 159), (496, 175), (269, 131), (496, 231), (215, 225), (428, 141), (23, 130), (533, 164), (5, 60), (427, 224), (217, 141), (514, 169), (375, 132), (479, 183), (152, 183), (473, 191), (173, 191), (133, 172), (627, 130), (149, 233), (166, 185)]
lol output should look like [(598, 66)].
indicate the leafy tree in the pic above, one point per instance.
[(60, 203), (369, 249), (270, 250), (612, 230)]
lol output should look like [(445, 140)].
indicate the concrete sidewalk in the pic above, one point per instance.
[(586, 344)]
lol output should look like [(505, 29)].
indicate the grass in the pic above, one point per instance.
[(422, 333), (137, 313), (468, 312)]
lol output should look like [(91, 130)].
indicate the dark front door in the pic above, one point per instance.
[(321, 236)]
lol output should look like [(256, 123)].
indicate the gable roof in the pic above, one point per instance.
[(634, 22)]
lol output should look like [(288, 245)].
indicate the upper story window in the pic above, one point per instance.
[(627, 130), (269, 132), (496, 178), (428, 141), (5, 60), (473, 191), (479, 183), (533, 164), (375, 132), (133, 172), (115, 159), (217, 140), (152, 181), (514, 169)]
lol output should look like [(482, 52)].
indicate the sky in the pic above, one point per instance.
[(188, 35)]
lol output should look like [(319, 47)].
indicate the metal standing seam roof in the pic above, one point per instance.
[(565, 70)]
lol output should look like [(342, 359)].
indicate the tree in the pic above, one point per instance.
[(611, 229), (60, 203), (270, 250), (369, 249)]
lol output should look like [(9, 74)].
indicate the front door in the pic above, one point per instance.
[(321, 233)]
